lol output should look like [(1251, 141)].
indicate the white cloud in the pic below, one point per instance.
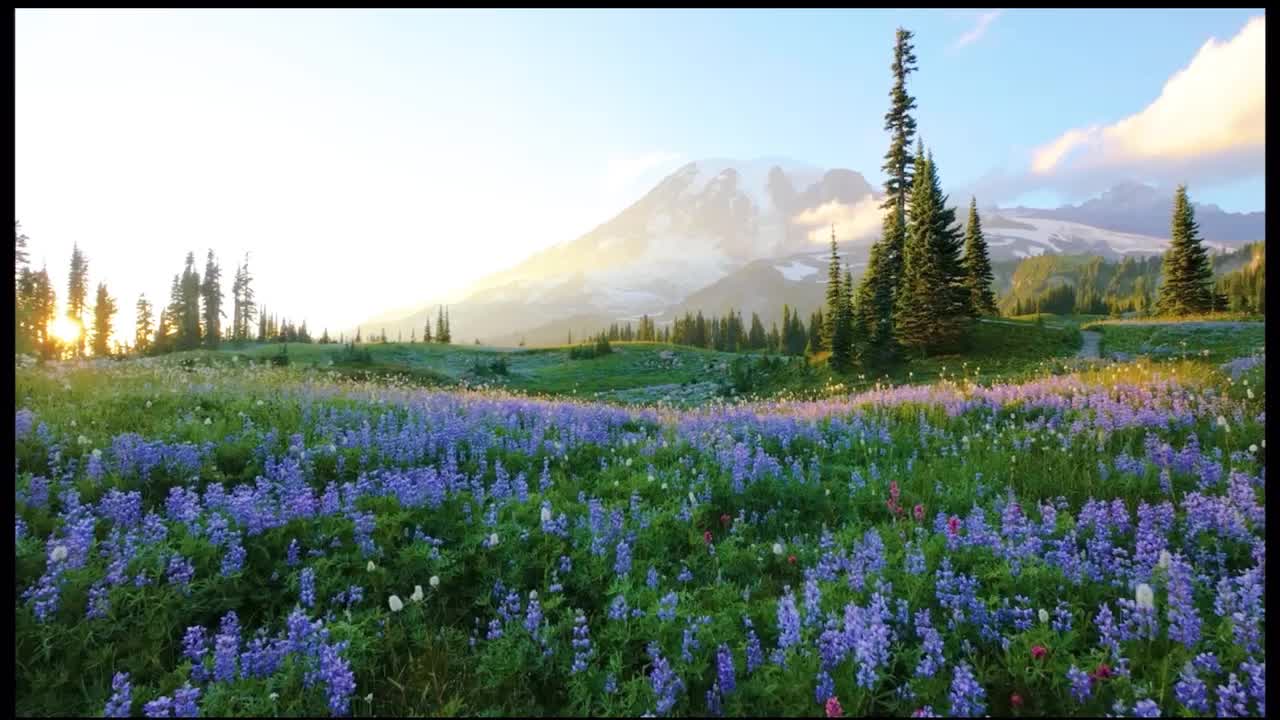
[(980, 29), (1213, 109), (854, 222)]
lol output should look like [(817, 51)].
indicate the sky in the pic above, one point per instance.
[(375, 161)]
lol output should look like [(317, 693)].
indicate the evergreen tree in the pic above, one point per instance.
[(44, 309), (19, 250), (357, 340), (982, 299), (104, 308), (426, 330), (244, 305), (189, 328), (877, 295), (875, 298), (440, 333), (899, 123), (77, 291), (1188, 278), (755, 337), (324, 337), (817, 326), (448, 328), (774, 342), (931, 306), (211, 293), (835, 296), (142, 326)]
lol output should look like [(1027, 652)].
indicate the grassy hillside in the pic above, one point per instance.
[(1214, 340)]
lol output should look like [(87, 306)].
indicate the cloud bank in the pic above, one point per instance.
[(854, 222), (1208, 124)]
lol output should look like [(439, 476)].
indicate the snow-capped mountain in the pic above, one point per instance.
[(717, 234)]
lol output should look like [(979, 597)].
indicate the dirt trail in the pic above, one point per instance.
[(1092, 342)]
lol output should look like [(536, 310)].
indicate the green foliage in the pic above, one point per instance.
[(1188, 276), (978, 277)]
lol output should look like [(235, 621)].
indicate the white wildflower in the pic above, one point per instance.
[(1253, 448), (59, 553), (208, 421), (73, 423), (417, 594), (371, 567), (777, 548), (1144, 596), (148, 403), (83, 440), (493, 539), (274, 696), (260, 403), (546, 515), (1044, 615), (394, 602), (1165, 559), (533, 594), (434, 581)]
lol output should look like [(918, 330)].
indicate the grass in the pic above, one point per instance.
[(1216, 341)]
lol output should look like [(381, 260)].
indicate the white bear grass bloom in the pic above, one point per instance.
[(394, 602), (1144, 597)]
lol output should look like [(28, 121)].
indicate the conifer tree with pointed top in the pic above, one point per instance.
[(142, 326), (982, 300), (104, 308), (211, 294), (77, 292), (1187, 282)]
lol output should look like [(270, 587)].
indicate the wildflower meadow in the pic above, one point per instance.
[(266, 541)]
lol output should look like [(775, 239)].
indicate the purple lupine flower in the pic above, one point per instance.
[(825, 687), (1191, 691), (184, 701), (291, 556), (1146, 708), (755, 653), (651, 579), (582, 651), (161, 707), (121, 697), (1184, 621), (667, 606), (1107, 630), (1081, 684), (788, 620), (666, 684), (1061, 617), (307, 585), (618, 608), (1232, 701), (1257, 674), (533, 617), (967, 696), (622, 562), (725, 669), (931, 659)]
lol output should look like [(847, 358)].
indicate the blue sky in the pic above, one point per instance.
[(446, 144)]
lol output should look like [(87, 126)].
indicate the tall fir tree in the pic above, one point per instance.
[(77, 292), (244, 306), (440, 324), (756, 336), (104, 308), (982, 300), (426, 330), (189, 329), (835, 296), (211, 294), (931, 309), (877, 295), (1187, 285), (142, 325)]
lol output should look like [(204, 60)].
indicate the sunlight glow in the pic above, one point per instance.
[(66, 329)]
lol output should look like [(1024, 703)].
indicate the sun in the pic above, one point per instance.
[(65, 329)]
